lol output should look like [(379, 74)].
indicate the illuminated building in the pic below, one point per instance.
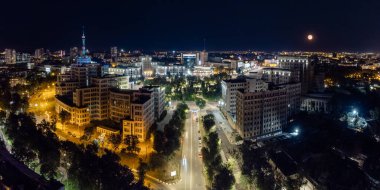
[(109, 97), (276, 75), (262, 113), (23, 57), (301, 68), (202, 71), (132, 72), (141, 118), (230, 87), (146, 66), (190, 59), (170, 70), (316, 103), (83, 59), (114, 53), (10, 56), (203, 57), (73, 53), (158, 99), (39, 54)]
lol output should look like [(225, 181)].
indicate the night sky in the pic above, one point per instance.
[(270, 25)]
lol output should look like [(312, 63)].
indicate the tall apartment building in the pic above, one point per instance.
[(301, 68), (74, 52), (39, 53), (84, 72), (10, 56), (76, 76), (230, 87), (260, 114), (107, 99), (140, 119), (158, 94), (96, 97), (135, 109), (114, 53)]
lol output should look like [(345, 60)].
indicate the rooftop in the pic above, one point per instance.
[(284, 163)]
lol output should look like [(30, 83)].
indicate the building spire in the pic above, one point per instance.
[(83, 42)]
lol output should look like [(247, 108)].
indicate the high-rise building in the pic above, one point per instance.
[(261, 114), (230, 87), (301, 68), (114, 53), (10, 56), (203, 57), (158, 99), (73, 52), (109, 97), (83, 73), (39, 53)]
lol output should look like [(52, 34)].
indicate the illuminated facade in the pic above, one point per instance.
[(276, 75), (260, 114), (10, 56), (230, 88)]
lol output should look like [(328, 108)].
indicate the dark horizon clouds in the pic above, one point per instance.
[(270, 25)]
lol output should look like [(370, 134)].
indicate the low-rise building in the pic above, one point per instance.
[(316, 103), (107, 131)]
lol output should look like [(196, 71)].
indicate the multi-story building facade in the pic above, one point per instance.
[(258, 108), (146, 66), (132, 72), (170, 70), (140, 119), (276, 75), (84, 72), (316, 103), (114, 53), (158, 94), (260, 114), (10, 56), (230, 87), (107, 99), (301, 70)]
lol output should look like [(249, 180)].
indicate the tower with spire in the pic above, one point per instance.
[(83, 42), (83, 59)]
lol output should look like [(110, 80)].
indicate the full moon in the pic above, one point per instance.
[(310, 37)]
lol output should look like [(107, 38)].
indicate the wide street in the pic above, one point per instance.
[(191, 167)]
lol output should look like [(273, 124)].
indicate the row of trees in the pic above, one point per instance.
[(219, 175), (168, 141), (37, 146)]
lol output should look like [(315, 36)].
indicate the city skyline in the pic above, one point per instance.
[(173, 25), (183, 95)]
